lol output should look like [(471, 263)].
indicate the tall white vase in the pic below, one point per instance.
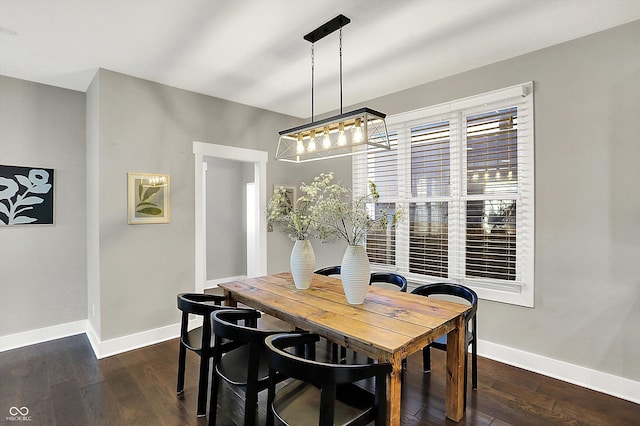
[(355, 273), (302, 263)]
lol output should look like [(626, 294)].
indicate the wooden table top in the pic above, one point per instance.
[(389, 325)]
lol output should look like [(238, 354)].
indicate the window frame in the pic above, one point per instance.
[(521, 95)]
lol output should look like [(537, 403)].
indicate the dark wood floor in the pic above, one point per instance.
[(61, 383)]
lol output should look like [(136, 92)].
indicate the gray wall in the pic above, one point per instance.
[(587, 109), (42, 267), (147, 127)]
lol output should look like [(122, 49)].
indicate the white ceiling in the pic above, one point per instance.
[(252, 51)]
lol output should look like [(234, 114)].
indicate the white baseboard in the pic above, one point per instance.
[(101, 349), (93, 339), (134, 341), (39, 335), (214, 283), (581, 376)]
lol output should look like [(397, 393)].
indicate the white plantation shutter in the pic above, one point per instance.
[(381, 168), (462, 173), (430, 194)]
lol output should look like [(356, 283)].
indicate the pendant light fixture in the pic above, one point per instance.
[(344, 134)]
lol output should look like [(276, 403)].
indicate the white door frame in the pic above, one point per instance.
[(257, 252)]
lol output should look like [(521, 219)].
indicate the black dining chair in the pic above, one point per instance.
[(460, 292), (197, 340), (389, 278), (329, 270), (239, 358), (376, 277), (320, 393)]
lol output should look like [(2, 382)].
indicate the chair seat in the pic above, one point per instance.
[(193, 339), (233, 366), (298, 403), (441, 342)]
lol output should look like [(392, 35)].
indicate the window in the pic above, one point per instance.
[(462, 173)]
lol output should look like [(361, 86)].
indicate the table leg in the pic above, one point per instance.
[(394, 383), (455, 371), (229, 299)]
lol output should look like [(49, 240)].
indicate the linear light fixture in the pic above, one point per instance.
[(337, 136)]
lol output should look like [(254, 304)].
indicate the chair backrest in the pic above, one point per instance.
[(389, 278), (450, 289), (376, 277), (226, 326), (326, 376), (199, 303), (313, 371), (329, 270)]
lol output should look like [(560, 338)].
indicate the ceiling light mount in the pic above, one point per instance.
[(348, 133), (324, 30)]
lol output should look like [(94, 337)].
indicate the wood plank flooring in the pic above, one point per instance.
[(61, 383)]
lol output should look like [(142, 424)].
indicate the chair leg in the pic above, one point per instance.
[(182, 358), (474, 366), (203, 386), (213, 400), (342, 358), (426, 359), (271, 393), (250, 405), (251, 393), (466, 362)]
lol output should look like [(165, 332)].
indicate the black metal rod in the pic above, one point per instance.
[(313, 67), (340, 70)]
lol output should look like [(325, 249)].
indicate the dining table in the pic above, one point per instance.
[(388, 326)]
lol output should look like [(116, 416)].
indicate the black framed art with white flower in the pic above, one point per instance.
[(26, 195)]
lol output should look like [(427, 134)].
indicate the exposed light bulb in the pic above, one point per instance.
[(300, 146), (326, 141), (311, 146), (342, 139), (357, 131)]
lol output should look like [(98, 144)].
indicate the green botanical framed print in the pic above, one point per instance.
[(148, 198)]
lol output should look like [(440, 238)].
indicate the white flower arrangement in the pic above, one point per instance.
[(289, 215), (335, 216), (326, 208)]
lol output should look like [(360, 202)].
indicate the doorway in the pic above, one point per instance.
[(254, 202)]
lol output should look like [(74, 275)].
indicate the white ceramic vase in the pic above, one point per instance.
[(355, 273), (302, 263)]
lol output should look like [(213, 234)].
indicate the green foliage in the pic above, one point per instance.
[(145, 206)]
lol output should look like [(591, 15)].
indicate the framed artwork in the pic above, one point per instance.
[(26, 196), (148, 198)]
